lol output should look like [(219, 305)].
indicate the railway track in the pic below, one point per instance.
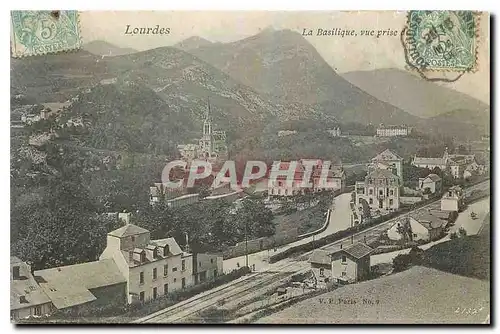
[(181, 311)]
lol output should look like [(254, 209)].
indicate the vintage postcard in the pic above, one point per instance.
[(250, 167)]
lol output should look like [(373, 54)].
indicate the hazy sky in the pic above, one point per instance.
[(342, 53)]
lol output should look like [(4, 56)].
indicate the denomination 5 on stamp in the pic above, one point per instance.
[(42, 32), (442, 40)]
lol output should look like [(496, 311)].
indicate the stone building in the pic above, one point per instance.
[(381, 190)]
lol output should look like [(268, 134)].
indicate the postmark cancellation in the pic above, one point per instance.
[(442, 40), (44, 32)]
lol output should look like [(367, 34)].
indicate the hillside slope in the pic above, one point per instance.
[(412, 93)]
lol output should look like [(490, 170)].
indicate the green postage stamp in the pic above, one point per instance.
[(442, 40), (42, 32)]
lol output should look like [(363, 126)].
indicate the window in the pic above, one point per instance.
[(391, 201), (155, 293), (166, 250), (360, 201), (370, 192), (321, 272), (174, 269), (381, 192), (371, 201), (132, 238), (165, 289), (183, 265), (175, 280), (212, 261), (165, 270), (183, 284), (155, 253), (143, 257), (155, 274), (391, 192), (344, 259), (215, 272), (414, 235), (141, 296), (37, 310), (141, 277), (15, 272), (344, 273)]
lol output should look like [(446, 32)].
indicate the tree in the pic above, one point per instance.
[(401, 262), (462, 149), (257, 218)]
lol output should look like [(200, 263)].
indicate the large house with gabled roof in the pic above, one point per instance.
[(388, 160), (152, 268)]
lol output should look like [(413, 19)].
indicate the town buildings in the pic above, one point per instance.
[(132, 268), (80, 288), (151, 267), (320, 179), (352, 263), (381, 190), (27, 298), (346, 265), (432, 182), (417, 227), (388, 160), (321, 266), (392, 130), (211, 146), (455, 164), (453, 199), (206, 267)]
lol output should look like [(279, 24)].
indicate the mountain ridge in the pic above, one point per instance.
[(104, 48), (412, 93)]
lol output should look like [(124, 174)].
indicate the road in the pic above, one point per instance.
[(251, 285), (372, 233), (472, 226), (339, 220)]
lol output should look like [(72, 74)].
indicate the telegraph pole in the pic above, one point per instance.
[(246, 245)]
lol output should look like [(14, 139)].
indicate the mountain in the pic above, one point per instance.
[(103, 48), (55, 78), (413, 94), (192, 42), (284, 66), (459, 123), (188, 84)]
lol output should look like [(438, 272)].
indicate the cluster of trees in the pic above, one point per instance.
[(401, 262), (54, 219), (209, 225)]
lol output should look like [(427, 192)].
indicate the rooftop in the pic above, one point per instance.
[(434, 177), (429, 161), (387, 155), (69, 285), (320, 256), (25, 287), (128, 230), (357, 250)]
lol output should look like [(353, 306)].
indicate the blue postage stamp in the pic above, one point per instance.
[(442, 40), (43, 32)]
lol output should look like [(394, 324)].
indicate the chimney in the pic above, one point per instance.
[(125, 217), (15, 272)]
